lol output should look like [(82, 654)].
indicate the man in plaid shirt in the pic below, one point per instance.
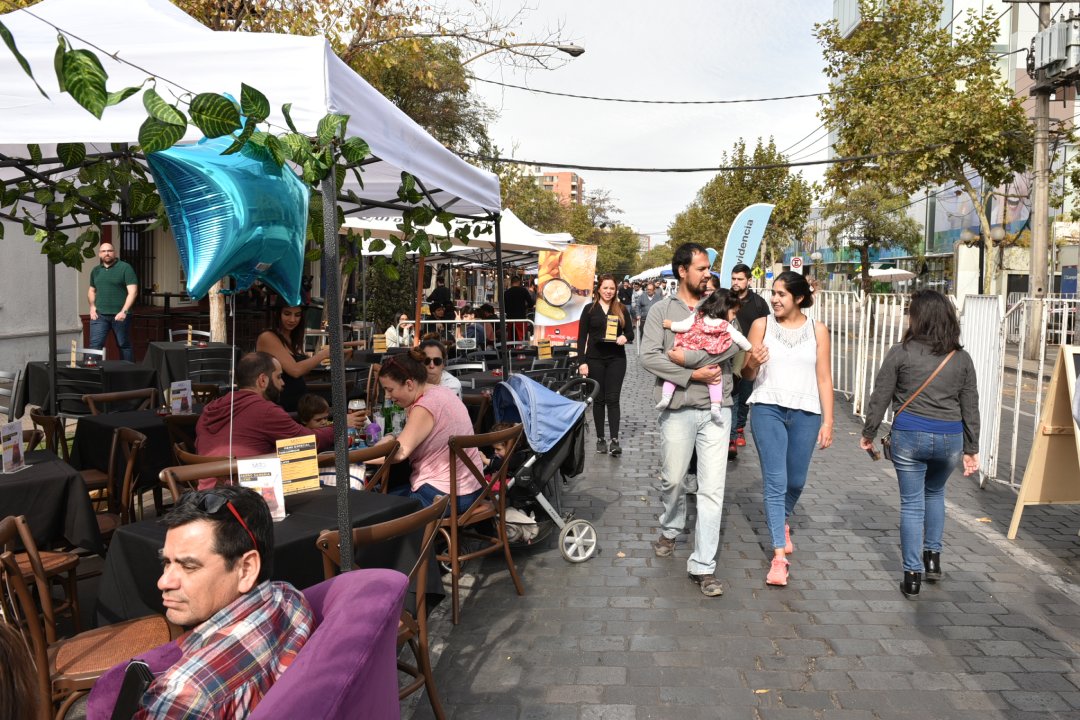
[(246, 629)]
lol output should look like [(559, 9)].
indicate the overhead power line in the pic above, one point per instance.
[(770, 166)]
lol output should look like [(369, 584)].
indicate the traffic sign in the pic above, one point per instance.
[(796, 262)]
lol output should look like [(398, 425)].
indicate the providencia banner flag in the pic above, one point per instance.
[(744, 238)]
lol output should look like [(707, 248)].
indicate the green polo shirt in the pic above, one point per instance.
[(110, 285)]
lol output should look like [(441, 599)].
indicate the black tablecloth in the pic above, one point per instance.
[(119, 375), (53, 497), (132, 568), (169, 359), (93, 442)]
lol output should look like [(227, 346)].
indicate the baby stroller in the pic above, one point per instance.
[(554, 428)]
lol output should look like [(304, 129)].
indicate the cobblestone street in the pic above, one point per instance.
[(627, 636)]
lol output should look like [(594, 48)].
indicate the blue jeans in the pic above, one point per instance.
[(740, 393), (923, 462), (99, 330), (785, 440), (681, 431), (426, 494)]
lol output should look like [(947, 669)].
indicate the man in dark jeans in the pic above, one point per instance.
[(753, 307)]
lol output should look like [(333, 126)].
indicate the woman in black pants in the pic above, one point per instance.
[(605, 327)]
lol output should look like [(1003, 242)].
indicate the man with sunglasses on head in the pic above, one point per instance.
[(244, 630), (249, 421)]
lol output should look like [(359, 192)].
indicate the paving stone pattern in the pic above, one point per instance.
[(627, 636)]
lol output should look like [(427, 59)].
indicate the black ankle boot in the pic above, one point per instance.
[(912, 583), (932, 564)]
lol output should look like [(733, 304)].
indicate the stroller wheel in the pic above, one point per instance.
[(577, 541)]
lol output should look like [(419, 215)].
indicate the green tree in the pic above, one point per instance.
[(928, 100), (534, 206), (709, 217), (655, 257), (869, 217)]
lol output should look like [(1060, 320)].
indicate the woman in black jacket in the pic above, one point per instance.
[(604, 328), (932, 433)]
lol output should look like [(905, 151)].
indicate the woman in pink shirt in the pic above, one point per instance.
[(435, 414)]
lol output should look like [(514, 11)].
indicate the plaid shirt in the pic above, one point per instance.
[(232, 659)]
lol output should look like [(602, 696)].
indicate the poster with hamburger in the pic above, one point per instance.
[(564, 286)]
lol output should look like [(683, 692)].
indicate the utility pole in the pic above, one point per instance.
[(1040, 205)]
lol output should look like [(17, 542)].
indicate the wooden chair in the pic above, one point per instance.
[(412, 627), (183, 479), (31, 438), (52, 566), (189, 458), (203, 393), (377, 482), (52, 428), (9, 385), (129, 400), (478, 405), (66, 670), (181, 429), (181, 335), (130, 444), (374, 389), (489, 506)]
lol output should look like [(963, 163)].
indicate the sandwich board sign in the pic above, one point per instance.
[(1052, 476)]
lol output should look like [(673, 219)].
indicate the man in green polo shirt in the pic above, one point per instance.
[(113, 288)]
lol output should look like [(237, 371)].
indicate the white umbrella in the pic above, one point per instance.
[(890, 274)]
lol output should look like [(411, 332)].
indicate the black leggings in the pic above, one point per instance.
[(609, 372)]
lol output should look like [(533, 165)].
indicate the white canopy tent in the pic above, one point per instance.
[(515, 236), (651, 273), (136, 38)]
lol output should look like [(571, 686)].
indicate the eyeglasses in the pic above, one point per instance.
[(212, 503), (436, 361)]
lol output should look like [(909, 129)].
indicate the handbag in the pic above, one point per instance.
[(886, 440)]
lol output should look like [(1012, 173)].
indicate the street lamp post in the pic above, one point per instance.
[(571, 50)]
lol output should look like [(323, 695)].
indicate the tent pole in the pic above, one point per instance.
[(338, 402), (499, 293), (50, 279), (363, 293), (419, 301)]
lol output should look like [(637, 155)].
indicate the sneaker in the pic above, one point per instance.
[(788, 547), (664, 547), (732, 451), (710, 586), (778, 572), (614, 449), (601, 446), (740, 437)]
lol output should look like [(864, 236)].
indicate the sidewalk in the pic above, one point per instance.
[(627, 636)]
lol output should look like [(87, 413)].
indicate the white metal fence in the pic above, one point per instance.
[(1011, 386)]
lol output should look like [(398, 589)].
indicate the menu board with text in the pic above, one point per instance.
[(299, 464), (263, 475)]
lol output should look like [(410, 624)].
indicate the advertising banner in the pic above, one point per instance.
[(744, 238), (564, 286)]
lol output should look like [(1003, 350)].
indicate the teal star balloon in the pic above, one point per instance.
[(239, 215)]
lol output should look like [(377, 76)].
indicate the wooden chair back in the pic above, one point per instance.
[(181, 429), (144, 399), (182, 479), (9, 385), (203, 393), (189, 458), (127, 448), (478, 405), (378, 481), (31, 438), (52, 428), (374, 389), (20, 612)]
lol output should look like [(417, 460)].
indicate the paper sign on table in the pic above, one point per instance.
[(543, 349), (263, 475), (12, 441), (378, 343), (180, 397), (71, 363), (299, 464), (188, 334)]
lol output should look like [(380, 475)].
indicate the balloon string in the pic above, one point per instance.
[(232, 374)]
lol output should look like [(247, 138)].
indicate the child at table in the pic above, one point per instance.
[(312, 411), (708, 329)]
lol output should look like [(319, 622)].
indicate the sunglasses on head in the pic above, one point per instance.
[(436, 361), (212, 504)]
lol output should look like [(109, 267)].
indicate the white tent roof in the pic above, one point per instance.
[(516, 236), (650, 273), (188, 57)]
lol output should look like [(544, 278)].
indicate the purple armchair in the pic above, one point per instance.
[(349, 663)]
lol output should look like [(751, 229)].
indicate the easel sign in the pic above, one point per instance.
[(1052, 476)]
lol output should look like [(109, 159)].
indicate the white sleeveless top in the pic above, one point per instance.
[(789, 378)]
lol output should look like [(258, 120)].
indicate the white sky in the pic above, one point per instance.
[(674, 50)]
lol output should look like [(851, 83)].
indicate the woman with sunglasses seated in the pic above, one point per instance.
[(435, 415), (435, 362)]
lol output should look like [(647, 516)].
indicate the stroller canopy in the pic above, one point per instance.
[(546, 415)]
